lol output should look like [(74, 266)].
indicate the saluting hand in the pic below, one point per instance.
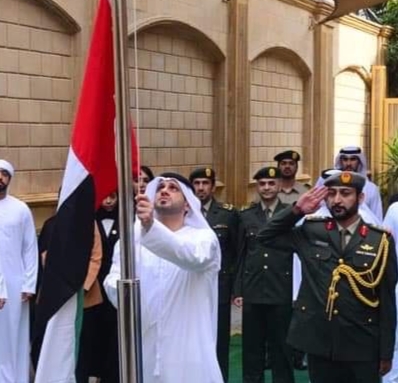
[(2, 302), (310, 201), (144, 211)]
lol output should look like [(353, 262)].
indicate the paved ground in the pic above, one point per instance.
[(236, 320)]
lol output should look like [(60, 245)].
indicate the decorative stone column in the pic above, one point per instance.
[(238, 131), (379, 125), (323, 126), (379, 128), (382, 43)]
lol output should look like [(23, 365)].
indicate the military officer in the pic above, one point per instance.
[(291, 190), (224, 219), (288, 165), (345, 314), (264, 287)]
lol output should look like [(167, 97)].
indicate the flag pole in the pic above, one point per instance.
[(129, 312)]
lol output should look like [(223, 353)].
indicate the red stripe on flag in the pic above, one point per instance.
[(93, 139)]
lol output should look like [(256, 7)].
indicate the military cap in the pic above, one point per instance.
[(287, 155), (268, 172), (178, 177), (348, 179), (203, 173)]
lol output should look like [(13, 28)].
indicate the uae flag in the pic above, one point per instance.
[(90, 176)]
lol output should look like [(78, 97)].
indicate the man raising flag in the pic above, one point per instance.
[(90, 176)]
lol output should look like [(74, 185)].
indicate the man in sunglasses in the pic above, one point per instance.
[(351, 158)]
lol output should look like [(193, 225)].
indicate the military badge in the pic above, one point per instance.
[(271, 172), (208, 172), (228, 206), (345, 178), (294, 156), (367, 247)]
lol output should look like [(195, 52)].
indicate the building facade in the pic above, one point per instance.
[(219, 83)]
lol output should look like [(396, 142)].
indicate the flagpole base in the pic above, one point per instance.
[(129, 320)]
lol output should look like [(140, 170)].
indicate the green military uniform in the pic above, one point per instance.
[(291, 195), (336, 318), (224, 220), (265, 282)]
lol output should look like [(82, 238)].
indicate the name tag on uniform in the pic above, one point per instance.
[(320, 243), (220, 227), (361, 252)]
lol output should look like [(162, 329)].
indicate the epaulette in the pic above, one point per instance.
[(227, 206), (378, 228), (247, 207), (316, 218)]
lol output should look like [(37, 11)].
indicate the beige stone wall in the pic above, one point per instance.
[(176, 98), (352, 118), (35, 94), (186, 72), (354, 47), (280, 99), (278, 24), (277, 105), (208, 16)]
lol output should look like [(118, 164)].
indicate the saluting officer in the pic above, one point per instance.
[(291, 189), (224, 219), (264, 287), (345, 314)]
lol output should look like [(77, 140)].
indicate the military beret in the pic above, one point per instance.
[(287, 155), (203, 173), (178, 177), (350, 150), (348, 179), (267, 172)]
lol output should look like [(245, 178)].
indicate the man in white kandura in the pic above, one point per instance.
[(18, 264), (3, 290), (178, 264), (352, 159)]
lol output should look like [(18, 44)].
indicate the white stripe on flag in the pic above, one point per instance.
[(74, 175), (57, 360)]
